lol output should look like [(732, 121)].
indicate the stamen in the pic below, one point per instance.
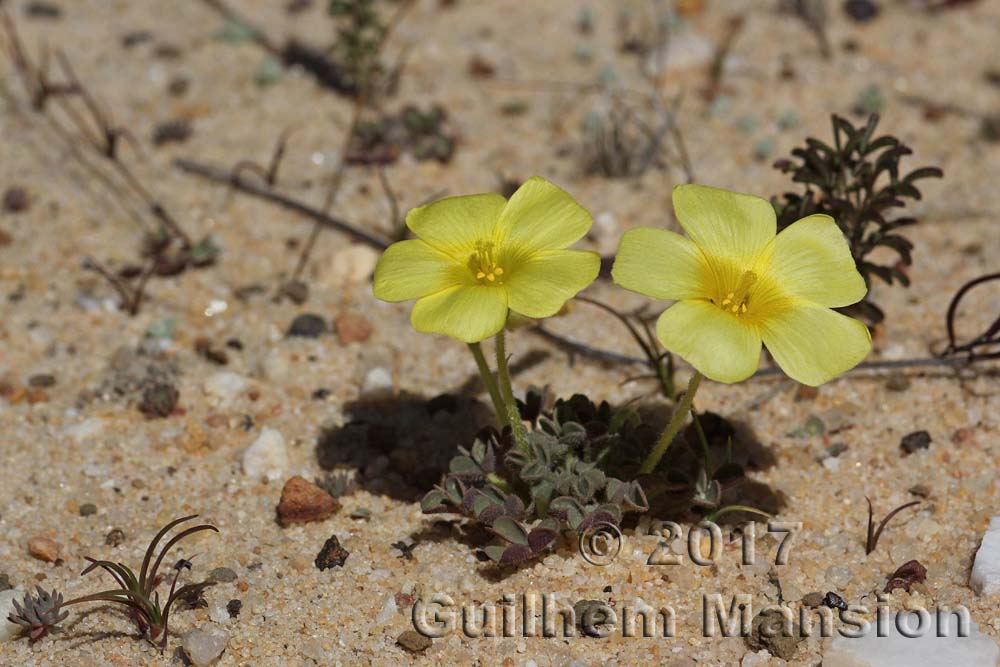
[(483, 264), (736, 301)]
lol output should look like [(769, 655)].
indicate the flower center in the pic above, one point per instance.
[(737, 300), (483, 264)]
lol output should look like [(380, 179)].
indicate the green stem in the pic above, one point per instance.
[(491, 386), (680, 411), (507, 392)]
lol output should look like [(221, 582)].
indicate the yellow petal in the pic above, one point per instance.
[(725, 224), (453, 225), (811, 259), (660, 264), (412, 269), (813, 344), (467, 313), (541, 216), (540, 285), (719, 345)]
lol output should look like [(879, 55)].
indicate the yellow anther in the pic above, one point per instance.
[(483, 264), (736, 301)]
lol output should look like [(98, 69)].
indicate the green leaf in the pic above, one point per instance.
[(433, 499), (510, 530)]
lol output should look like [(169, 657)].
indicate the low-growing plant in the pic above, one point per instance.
[(858, 182), (41, 614), (561, 481), (580, 472)]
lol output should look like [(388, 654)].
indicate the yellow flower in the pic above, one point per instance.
[(479, 256), (737, 284)]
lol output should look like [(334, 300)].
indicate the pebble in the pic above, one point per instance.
[(308, 325), (813, 600), (159, 399), (897, 382), (87, 509), (377, 383), (267, 456), (222, 575), (861, 11), (203, 648), (915, 441), (233, 607), (352, 328), (44, 548), (986, 569), (413, 642), (303, 502), (767, 632), (8, 630), (331, 555), (606, 233), (759, 659), (218, 613), (354, 264), (16, 199), (926, 649), (388, 611), (42, 380), (85, 430), (5, 583), (225, 386)]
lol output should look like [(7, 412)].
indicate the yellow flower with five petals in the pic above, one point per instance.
[(738, 284), (478, 257)]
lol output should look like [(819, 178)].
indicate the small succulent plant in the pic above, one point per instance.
[(39, 614), (561, 481), (857, 181), (423, 133)]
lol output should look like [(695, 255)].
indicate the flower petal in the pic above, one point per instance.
[(725, 224), (813, 344), (467, 313), (540, 285), (412, 269), (453, 225), (811, 259), (660, 264), (541, 216), (717, 344)]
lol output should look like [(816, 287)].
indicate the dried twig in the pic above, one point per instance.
[(871, 540), (990, 338), (718, 67), (224, 177)]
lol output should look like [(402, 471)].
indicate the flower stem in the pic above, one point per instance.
[(491, 386), (673, 427), (503, 378)]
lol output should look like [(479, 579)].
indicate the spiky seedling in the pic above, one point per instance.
[(856, 181), (137, 593), (559, 482), (39, 614)]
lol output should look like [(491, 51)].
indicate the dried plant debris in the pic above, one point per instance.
[(145, 376), (424, 134), (857, 180), (331, 555), (906, 576)]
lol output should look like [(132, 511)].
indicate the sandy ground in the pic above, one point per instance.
[(71, 446)]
